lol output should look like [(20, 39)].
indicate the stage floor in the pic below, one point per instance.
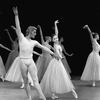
[(85, 91)]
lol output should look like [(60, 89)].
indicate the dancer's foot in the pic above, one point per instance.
[(93, 84), (32, 84), (2, 78), (22, 86), (30, 98), (75, 94), (42, 97), (54, 96)]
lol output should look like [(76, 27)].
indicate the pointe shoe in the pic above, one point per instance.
[(2, 78), (54, 96), (30, 98), (93, 84), (22, 86), (75, 95), (32, 84), (42, 97)]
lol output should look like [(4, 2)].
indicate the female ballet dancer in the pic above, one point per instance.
[(14, 53), (56, 78), (27, 64), (2, 68), (92, 68), (42, 62), (64, 60)]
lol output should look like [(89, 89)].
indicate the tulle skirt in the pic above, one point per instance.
[(14, 73), (11, 57), (92, 68), (66, 65), (42, 64), (56, 79), (2, 68)]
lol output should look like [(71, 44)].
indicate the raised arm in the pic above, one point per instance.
[(90, 32), (9, 35), (17, 23), (56, 28), (4, 47), (42, 39)]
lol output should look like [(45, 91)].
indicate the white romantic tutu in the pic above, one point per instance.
[(56, 79), (14, 74), (92, 68), (42, 64), (2, 68)]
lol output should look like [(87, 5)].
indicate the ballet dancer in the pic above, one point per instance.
[(14, 53), (27, 64), (92, 68), (56, 78), (64, 60), (42, 62), (2, 68)]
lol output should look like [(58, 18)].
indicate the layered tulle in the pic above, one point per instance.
[(11, 57), (65, 63), (42, 64), (56, 79), (2, 68), (14, 73), (92, 68)]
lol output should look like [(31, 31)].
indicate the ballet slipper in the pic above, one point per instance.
[(54, 96), (42, 97), (22, 86), (75, 94), (93, 84), (2, 78)]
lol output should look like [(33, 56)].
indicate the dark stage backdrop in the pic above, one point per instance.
[(72, 17)]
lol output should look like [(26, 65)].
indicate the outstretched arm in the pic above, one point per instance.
[(17, 23), (9, 35), (42, 39), (56, 28), (66, 52), (36, 53), (4, 47), (44, 48), (90, 32)]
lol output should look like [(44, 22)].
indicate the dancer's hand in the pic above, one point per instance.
[(13, 27), (15, 10), (86, 26), (56, 21), (56, 56)]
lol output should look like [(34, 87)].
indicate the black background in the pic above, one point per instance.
[(72, 17)]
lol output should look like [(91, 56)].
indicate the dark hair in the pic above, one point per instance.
[(47, 37), (30, 29), (95, 35)]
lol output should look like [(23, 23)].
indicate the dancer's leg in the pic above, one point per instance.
[(74, 93), (24, 73), (33, 72)]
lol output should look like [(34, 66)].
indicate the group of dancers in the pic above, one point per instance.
[(50, 74)]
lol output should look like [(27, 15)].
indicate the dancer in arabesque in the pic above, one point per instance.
[(27, 64), (91, 71), (56, 78)]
